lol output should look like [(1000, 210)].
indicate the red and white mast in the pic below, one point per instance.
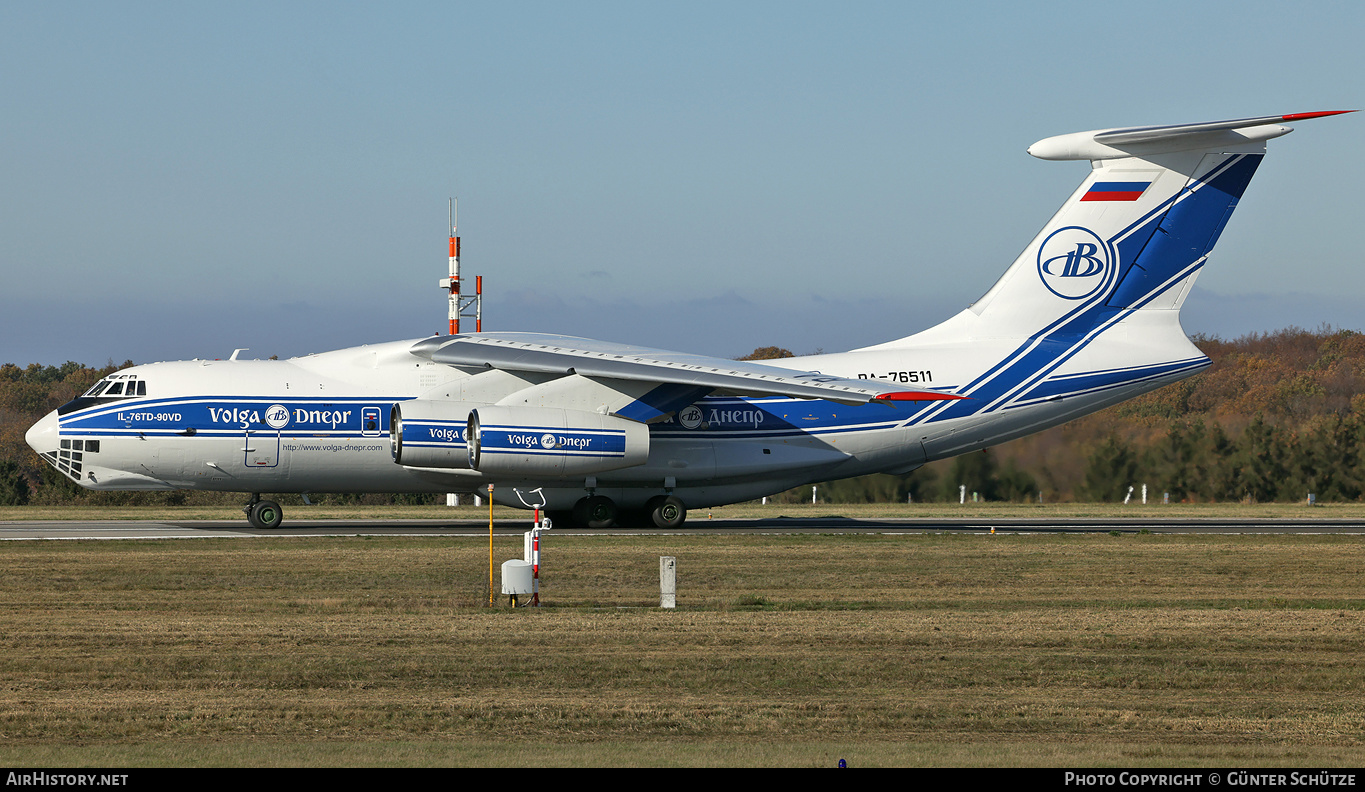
[(453, 283), (459, 304)]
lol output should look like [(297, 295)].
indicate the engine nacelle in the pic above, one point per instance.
[(544, 441), (428, 433)]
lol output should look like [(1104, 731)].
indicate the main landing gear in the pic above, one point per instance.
[(596, 511), (666, 511), (263, 514), (599, 511)]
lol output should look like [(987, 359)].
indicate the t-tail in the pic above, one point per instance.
[(1092, 306), (1137, 231)]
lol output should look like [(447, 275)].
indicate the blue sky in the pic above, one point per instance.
[(180, 179)]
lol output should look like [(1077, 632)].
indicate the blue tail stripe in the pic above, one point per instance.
[(1072, 384), (1187, 232)]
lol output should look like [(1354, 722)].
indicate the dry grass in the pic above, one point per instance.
[(1042, 650)]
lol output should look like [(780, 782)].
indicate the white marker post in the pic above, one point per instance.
[(668, 582)]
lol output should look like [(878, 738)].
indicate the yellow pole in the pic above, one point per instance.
[(490, 545)]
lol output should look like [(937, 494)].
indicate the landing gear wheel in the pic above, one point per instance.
[(666, 511), (595, 511), (266, 515), (561, 519)]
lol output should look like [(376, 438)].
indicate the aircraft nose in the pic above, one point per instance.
[(42, 436)]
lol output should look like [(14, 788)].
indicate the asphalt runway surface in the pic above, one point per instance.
[(191, 529)]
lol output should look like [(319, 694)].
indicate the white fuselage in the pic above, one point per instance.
[(321, 423)]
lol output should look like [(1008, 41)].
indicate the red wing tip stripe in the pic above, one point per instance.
[(918, 396), (1319, 114)]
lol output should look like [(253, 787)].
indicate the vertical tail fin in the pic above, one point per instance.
[(1136, 232), (1089, 313)]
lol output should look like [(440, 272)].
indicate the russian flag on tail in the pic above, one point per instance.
[(1115, 191)]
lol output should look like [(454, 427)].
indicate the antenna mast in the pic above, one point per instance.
[(460, 306)]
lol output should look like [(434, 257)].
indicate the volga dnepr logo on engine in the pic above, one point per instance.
[(549, 442), (1074, 263)]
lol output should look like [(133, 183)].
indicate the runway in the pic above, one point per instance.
[(203, 529)]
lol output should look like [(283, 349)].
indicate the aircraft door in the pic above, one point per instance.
[(261, 449)]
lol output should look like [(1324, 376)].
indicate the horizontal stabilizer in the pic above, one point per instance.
[(1129, 141), (555, 354)]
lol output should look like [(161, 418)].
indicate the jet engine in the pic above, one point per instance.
[(543, 441), (429, 433)]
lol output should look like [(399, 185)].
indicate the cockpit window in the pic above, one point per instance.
[(117, 385), (112, 387)]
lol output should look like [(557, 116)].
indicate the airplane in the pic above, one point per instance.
[(1087, 316)]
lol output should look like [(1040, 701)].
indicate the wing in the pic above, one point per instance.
[(535, 352)]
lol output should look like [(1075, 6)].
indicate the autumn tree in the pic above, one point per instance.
[(768, 353)]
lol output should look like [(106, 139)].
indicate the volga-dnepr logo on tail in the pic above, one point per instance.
[(1074, 263)]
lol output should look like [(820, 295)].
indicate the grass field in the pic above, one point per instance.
[(784, 651)]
